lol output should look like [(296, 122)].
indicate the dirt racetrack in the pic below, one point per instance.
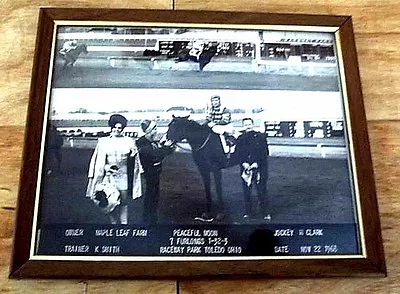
[(301, 191), (106, 77)]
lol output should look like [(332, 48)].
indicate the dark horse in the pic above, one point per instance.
[(204, 57), (207, 153), (71, 56)]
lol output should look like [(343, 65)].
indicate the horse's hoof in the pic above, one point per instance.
[(248, 218), (204, 218), (267, 218)]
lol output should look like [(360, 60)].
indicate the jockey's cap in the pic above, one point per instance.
[(215, 97)]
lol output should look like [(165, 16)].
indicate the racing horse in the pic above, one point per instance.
[(208, 154), (204, 57), (71, 56)]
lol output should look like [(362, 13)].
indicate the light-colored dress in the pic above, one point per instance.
[(115, 151)]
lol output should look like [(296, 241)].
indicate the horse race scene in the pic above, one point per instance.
[(195, 127)]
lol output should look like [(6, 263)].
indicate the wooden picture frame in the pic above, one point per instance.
[(314, 255)]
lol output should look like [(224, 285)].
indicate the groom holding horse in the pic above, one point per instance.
[(151, 154)]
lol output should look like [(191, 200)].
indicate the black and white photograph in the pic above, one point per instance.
[(184, 141)]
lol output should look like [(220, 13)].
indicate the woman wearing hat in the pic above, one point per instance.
[(116, 151), (151, 156)]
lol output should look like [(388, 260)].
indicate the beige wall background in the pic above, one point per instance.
[(377, 33)]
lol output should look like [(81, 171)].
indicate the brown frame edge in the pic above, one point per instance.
[(31, 151), (362, 153), (22, 266)]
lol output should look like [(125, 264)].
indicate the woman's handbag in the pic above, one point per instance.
[(106, 195)]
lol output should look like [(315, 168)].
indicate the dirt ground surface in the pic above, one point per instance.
[(300, 191), (82, 77)]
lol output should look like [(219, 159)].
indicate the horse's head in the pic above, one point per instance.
[(177, 128), (83, 48)]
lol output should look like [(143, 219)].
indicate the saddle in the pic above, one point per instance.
[(228, 141), (228, 144)]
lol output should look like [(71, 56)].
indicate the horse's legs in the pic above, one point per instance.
[(218, 187), (68, 61), (207, 186), (65, 62), (202, 63), (71, 61), (204, 60), (59, 158)]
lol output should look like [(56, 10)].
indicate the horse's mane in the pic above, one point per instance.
[(194, 124)]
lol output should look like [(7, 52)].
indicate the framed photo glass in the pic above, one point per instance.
[(189, 144)]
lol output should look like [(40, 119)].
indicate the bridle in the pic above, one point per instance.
[(199, 148)]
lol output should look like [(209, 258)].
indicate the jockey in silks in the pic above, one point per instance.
[(218, 118), (197, 49), (68, 46)]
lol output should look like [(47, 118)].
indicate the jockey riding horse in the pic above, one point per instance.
[(70, 52)]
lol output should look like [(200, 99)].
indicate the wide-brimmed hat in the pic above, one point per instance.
[(117, 118)]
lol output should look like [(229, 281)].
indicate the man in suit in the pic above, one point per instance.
[(151, 155), (252, 153)]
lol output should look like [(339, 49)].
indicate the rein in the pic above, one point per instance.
[(197, 149)]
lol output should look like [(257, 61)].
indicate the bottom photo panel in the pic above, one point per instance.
[(153, 173)]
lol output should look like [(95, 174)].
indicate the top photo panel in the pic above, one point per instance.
[(194, 58)]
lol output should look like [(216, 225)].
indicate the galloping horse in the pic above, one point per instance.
[(204, 57), (71, 56), (207, 153)]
